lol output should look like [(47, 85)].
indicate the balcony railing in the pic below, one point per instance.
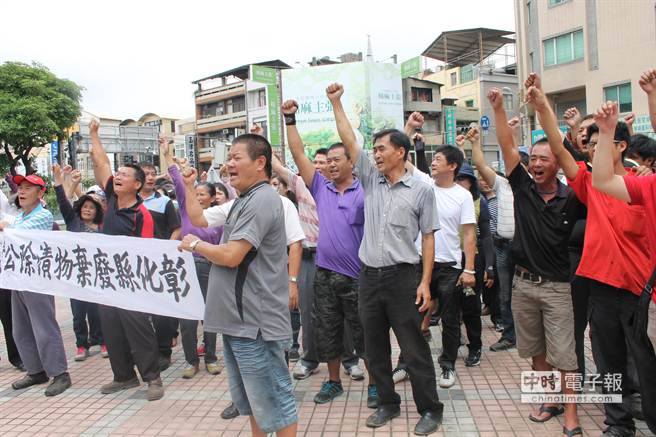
[(219, 92)]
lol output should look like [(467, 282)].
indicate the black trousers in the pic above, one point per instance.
[(580, 297), (86, 336), (5, 316), (166, 329), (130, 340), (387, 300), (611, 327)]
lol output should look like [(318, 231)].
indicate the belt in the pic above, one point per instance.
[(524, 274), (386, 269), (500, 242)]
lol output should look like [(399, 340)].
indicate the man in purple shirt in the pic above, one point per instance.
[(340, 205)]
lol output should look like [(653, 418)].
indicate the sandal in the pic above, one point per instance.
[(572, 432), (552, 411)]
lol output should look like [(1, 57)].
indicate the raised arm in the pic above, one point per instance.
[(64, 204), (478, 159), (603, 172), (102, 169), (536, 97), (165, 153), (573, 119), (504, 133), (305, 166), (344, 129), (194, 210), (648, 84)]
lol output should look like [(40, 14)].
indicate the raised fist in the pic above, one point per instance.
[(57, 174), (94, 125), (535, 97), (163, 146), (495, 98), (572, 117), (289, 107), (606, 118), (533, 80), (473, 135), (76, 176), (416, 120), (513, 123), (189, 176), (460, 141), (256, 129), (648, 81), (334, 91), (629, 119)]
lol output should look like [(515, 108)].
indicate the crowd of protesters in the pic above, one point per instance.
[(318, 266)]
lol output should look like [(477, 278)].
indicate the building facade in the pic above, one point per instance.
[(588, 52)]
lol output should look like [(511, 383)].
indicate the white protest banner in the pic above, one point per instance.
[(139, 274)]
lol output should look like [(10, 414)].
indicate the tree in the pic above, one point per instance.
[(36, 107)]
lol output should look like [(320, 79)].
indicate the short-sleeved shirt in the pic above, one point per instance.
[(455, 207), (642, 191), (506, 216), (307, 209), (253, 297), (542, 229), (393, 216), (165, 216), (217, 215), (38, 219), (616, 247), (133, 221), (342, 225)]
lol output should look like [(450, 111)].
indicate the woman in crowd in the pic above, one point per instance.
[(85, 215)]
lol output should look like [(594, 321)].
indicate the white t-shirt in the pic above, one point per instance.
[(217, 215), (455, 207), (506, 209)]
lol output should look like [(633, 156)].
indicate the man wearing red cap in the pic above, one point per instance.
[(35, 327)]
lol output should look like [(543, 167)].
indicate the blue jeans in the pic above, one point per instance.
[(505, 272), (260, 385)]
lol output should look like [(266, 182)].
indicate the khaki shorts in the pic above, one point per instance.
[(651, 327), (544, 322)]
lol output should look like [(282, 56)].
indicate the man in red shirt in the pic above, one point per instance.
[(615, 259)]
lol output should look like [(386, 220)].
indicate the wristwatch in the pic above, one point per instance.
[(293, 279), (193, 244), (470, 272)]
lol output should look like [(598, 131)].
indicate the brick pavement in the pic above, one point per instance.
[(484, 402)]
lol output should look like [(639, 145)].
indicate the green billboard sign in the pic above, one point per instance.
[(411, 67), (263, 74), (449, 124), (273, 103)]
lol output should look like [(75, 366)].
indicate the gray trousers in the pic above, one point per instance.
[(37, 333), (305, 298)]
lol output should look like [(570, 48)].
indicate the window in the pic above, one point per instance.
[(421, 94), (466, 73), (508, 102), (564, 48), (621, 94), (469, 103), (261, 98), (239, 104), (454, 79), (556, 2)]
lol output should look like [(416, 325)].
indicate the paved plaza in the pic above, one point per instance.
[(484, 402)]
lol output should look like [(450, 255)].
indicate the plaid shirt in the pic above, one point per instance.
[(307, 210), (39, 218)]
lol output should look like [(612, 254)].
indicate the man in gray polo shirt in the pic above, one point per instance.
[(397, 208), (248, 293)]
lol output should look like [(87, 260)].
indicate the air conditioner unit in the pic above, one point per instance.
[(225, 131), (240, 132)]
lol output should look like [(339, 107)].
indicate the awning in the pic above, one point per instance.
[(467, 46)]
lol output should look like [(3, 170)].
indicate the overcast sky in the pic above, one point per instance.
[(140, 56)]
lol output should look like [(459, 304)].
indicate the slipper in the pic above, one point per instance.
[(552, 411), (572, 432)]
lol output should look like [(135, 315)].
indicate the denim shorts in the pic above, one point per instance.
[(259, 381)]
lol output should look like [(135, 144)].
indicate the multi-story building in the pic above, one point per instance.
[(475, 60), (227, 104), (424, 96), (588, 52)]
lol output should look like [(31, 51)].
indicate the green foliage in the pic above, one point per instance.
[(35, 107), (319, 138)]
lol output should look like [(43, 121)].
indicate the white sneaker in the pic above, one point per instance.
[(356, 373), (399, 375), (448, 378), (302, 372)]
